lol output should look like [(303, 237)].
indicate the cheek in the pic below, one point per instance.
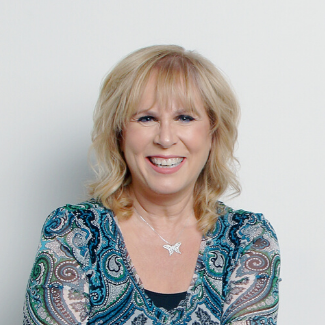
[(134, 143), (201, 140), (130, 139)]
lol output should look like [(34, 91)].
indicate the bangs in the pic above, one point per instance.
[(176, 84)]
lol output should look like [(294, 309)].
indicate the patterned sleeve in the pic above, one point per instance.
[(252, 290), (57, 290)]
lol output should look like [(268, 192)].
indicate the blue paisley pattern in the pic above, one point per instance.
[(83, 274)]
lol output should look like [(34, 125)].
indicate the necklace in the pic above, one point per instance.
[(171, 248)]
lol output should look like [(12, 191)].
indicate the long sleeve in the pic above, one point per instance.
[(252, 287), (58, 291)]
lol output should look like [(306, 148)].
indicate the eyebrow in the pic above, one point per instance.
[(187, 111), (184, 110), (178, 111), (141, 111)]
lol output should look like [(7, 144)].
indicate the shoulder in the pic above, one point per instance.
[(88, 214), (86, 225), (241, 228), (81, 230)]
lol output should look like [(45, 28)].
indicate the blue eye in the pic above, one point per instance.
[(185, 118), (146, 118)]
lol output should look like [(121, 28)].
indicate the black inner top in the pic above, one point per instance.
[(166, 300)]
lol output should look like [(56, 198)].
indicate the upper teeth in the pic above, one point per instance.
[(166, 162)]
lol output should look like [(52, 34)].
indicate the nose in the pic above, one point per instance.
[(166, 135)]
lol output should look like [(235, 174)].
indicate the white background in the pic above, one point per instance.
[(54, 55)]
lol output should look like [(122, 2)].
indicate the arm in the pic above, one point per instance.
[(57, 291), (252, 288)]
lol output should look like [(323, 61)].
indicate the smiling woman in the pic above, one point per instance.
[(185, 82), (154, 245)]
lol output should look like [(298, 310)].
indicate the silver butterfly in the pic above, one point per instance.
[(173, 248)]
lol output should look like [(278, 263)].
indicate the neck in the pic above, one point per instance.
[(164, 212)]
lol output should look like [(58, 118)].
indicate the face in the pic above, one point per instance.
[(166, 147)]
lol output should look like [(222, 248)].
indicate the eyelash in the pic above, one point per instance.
[(182, 118), (146, 118), (185, 118)]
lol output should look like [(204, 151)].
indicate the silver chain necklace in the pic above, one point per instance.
[(171, 248)]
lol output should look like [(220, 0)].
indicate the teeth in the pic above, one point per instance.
[(165, 163)]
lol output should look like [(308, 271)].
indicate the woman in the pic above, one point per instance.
[(154, 245)]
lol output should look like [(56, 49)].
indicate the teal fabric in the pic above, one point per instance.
[(83, 274)]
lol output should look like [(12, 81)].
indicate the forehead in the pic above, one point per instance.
[(170, 90)]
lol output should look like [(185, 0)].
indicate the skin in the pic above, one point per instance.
[(164, 196)]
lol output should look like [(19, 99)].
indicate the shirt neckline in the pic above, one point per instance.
[(190, 292)]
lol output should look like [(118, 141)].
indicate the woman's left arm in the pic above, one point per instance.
[(252, 294)]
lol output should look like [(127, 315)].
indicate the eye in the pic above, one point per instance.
[(185, 118), (147, 118)]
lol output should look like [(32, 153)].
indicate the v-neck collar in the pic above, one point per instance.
[(193, 293)]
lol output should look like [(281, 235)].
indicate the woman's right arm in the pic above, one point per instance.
[(57, 290)]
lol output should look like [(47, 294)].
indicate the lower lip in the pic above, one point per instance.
[(166, 170)]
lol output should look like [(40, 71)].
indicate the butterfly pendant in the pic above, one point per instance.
[(173, 248)]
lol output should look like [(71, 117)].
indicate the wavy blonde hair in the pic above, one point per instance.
[(180, 74)]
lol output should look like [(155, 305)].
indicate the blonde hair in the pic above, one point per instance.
[(180, 73)]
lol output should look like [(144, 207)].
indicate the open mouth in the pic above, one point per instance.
[(165, 163)]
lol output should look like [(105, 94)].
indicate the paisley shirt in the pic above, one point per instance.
[(83, 274)]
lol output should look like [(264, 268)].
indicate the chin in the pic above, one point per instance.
[(167, 190)]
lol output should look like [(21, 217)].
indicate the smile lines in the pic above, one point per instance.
[(166, 163)]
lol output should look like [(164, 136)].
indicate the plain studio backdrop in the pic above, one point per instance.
[(54, 55)]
